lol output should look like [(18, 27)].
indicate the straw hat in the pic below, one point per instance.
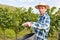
[(42, 4)]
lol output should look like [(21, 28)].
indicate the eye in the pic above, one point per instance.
[(42, 8)]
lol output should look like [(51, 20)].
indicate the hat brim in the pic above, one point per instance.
[(37, 6)]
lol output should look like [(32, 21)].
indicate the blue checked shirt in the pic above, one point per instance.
[(41, 27)]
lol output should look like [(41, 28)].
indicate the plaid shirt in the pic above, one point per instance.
[(41, 27)]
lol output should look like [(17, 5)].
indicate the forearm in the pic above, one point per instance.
[(39, 25)]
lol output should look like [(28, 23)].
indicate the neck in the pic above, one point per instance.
[(41, 13)]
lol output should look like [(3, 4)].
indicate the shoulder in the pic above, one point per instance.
[(46, 15)]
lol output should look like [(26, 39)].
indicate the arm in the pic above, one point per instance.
[(44, 25)]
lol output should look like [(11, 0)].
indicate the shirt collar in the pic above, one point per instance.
[(44, 14)]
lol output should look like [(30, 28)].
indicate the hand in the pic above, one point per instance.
[(26, 24)]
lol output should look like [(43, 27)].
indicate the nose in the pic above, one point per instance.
[(40, 9)]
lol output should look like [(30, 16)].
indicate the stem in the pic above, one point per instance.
[(3, 34), (15, 35), (16, 31)]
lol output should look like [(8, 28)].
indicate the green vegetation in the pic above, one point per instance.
[(11, 20)]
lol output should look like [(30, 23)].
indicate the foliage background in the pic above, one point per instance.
[(11, 19)]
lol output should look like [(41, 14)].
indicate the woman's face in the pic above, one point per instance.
[(42, 9)]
